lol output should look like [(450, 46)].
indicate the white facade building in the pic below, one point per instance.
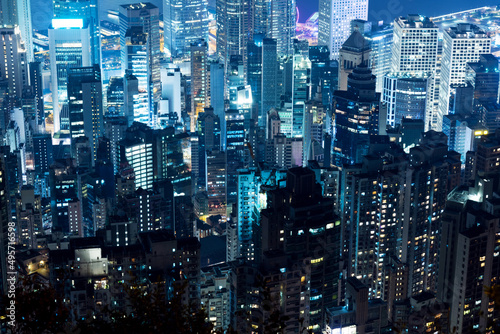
[(461, 45), (334, 26)]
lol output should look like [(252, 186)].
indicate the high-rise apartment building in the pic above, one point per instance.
[(300, 222), (184, 22), (334, 22)]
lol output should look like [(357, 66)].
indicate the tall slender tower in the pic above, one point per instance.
[(147, 16), (334, 26), (199, 81)]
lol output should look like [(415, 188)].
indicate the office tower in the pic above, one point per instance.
[(353, 52), (171, 94), (85, 105), (209, 133), (64, 55), (300, 222), (87, 10), (254, 72), (334, 22), (281, 25), (484, 78), (184, 22), (200, 97), (407, 95), (461, 45), (138, 65), (358, 115), (414, 35), (372, 235), (13, 63), (146, 16), (415, 49), (301, 92), (233, 28)]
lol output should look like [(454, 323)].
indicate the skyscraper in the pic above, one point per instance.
[(64, 55), (138, 65), (147, 16), (335, 18), (281, 20), (233, 28), (462, 44), (300, 222), (85, 105), (13, 63), (301, 92), (87, 10), (415, 49), (185, 21), (200, 80), (358, 115), (353, 52), (8, 13)]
